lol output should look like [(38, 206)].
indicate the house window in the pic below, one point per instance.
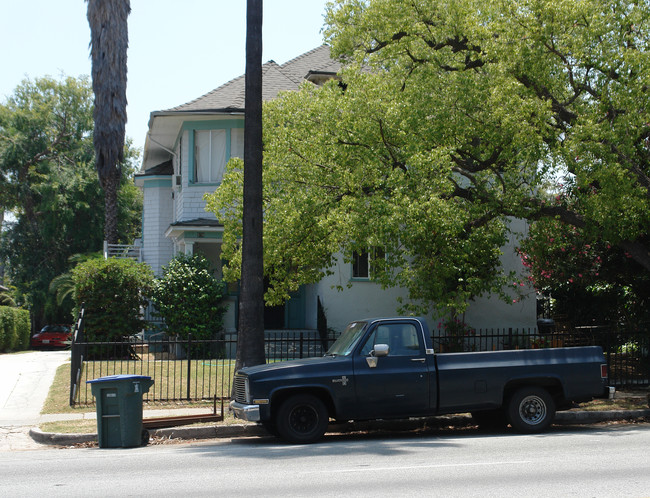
[(237, 142), (209, 155), (362, 263), (360, 266), (212, 149)]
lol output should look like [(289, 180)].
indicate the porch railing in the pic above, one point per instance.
[(126, 251)]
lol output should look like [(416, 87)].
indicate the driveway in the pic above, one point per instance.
[(26, 380)]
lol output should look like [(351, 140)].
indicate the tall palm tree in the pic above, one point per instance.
[(250, 338), (109, 40)]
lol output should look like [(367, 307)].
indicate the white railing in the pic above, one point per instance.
[(124, 251)]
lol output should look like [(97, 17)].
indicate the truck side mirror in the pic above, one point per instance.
[(379, 351)]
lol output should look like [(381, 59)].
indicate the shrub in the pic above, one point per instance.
[(189, 298), (14, 329), (9, 325), (23, 328), (113, 292), (456, 332), (4, 328)]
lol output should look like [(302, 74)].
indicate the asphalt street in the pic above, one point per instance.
[(580, 461)]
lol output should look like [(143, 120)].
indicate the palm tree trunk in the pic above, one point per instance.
[(111, 185), (250, 339), (109, 40)]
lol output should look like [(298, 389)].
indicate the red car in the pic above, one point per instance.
[(52, 336)]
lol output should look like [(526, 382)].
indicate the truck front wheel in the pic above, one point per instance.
[(531, 410), (302, 419)]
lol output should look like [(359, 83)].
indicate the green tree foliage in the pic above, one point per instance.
[(586, 278), (113, 292), (62, 286), (6, 298), (189, 298), (449, 119), (48, 180), (14, 329)]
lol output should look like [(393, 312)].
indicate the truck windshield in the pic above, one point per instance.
[(348, 339)]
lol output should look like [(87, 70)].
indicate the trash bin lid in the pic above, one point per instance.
[(111, 378)]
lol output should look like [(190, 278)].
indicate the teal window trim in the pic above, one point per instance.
[(157, 182), (192, 126), (199, 236)]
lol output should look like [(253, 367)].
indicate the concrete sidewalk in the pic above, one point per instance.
[(26, 380)]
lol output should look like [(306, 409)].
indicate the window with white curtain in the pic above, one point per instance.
[(213, 149), (209, 155), (237, 142)]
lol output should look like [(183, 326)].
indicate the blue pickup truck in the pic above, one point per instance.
[(386, 368)]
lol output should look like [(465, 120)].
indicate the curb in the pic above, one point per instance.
[(588, 417), (249, 430), (60, 439)]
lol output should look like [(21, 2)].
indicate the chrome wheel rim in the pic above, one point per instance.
[(532, 410)]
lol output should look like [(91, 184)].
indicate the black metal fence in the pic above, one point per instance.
[(192, 370), (183, 370), (627, 352)]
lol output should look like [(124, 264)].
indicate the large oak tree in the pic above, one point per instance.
[(453, 118)]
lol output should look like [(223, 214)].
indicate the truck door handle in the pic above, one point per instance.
[(421, 360)]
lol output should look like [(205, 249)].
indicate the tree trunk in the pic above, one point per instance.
[(111, 185), (250, 339), (109, 41)]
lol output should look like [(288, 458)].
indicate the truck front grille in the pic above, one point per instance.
[(241, 389)]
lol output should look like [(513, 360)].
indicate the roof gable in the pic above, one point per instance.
[(275, 79), (228, 99)]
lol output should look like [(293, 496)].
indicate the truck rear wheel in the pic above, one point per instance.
[(531, 410), (302, 419)]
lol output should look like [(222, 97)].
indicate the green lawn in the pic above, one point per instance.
[(206, 378), (174, 380), (59, 394)]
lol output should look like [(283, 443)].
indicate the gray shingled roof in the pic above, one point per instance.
[(275, 78), (163, 169), (197, 222)]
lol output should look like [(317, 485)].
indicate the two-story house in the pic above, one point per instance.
[(185, 154)]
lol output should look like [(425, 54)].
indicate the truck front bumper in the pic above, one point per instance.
[(245, 412)]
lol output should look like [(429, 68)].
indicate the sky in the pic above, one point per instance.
[(175, 55)]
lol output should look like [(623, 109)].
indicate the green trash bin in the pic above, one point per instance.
[(118, 400)]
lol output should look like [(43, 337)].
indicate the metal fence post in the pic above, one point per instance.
[(76, 357), (301, 344), (73, 372), (189, 365)]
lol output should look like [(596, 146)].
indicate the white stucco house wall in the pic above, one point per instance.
[(185, 152)]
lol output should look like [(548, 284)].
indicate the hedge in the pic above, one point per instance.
[(112, 291), (14, 329)]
